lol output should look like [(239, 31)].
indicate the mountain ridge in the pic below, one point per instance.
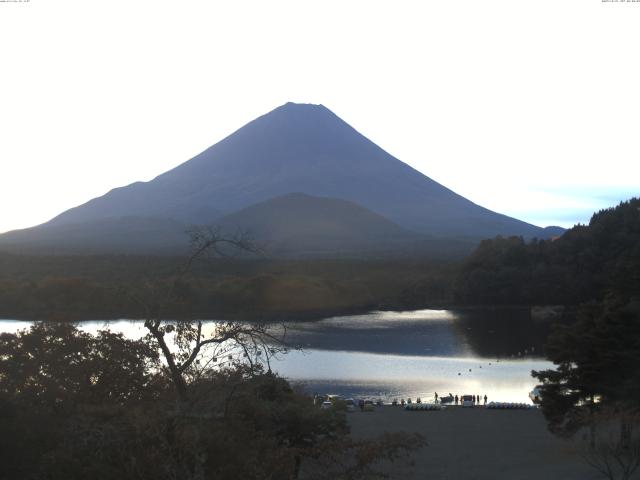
[(305, 148), (302, 148)]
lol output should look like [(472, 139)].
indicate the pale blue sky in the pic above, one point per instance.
[(527, 108)]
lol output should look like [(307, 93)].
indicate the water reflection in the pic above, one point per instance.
[(403, 354), (401, 376), (500, 333), (415, 354)]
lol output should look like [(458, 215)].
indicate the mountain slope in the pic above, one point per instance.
[(300, 148), (298, 223), (127, 234), (293, 225)]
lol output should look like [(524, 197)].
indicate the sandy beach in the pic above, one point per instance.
[(477, 444)]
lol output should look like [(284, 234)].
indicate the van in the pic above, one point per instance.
[(468, 400)]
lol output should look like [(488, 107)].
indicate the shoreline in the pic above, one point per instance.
[(275, 317)]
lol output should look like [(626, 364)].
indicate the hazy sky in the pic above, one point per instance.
[(530, 108)]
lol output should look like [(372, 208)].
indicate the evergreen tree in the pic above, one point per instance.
[(597, 362)]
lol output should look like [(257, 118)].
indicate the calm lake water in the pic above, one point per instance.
[(404, 354)]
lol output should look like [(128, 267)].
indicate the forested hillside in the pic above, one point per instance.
[(584, 264)]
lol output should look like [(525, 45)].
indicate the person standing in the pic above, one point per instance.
[(485, 398), (436, 397), (456, 399)]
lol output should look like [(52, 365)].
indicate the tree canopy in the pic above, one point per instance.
[(582, 265), (597, 356), (76, 406)]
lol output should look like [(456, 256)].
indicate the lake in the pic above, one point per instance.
[(394, 355)]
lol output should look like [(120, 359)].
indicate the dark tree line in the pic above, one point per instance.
[(582, 265), (594, 389), (95, 287)]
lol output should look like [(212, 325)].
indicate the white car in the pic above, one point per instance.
[(535, 396), (326, 404)]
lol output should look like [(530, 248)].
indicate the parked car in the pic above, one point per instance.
[(326, 404), (535, 396), (467, 400)]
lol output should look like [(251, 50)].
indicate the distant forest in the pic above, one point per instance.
[(69, 288), (585, 263), (581, 265)]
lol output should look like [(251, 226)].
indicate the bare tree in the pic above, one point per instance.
[(612, 446), (188, 347)]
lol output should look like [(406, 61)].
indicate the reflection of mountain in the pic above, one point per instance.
[(471, 333)]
